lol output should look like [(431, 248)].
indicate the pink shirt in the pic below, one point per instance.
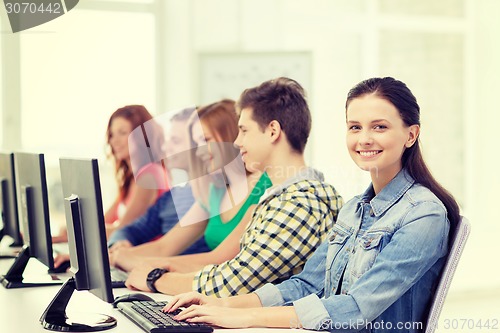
[(150, 176)]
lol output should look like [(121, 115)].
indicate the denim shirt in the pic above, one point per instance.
[(379, 267)]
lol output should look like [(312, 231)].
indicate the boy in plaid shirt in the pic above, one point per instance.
[(292, 218)]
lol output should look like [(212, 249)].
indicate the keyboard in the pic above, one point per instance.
[(148, 316), (118, 277)]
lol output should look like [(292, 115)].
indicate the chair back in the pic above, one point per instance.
[(457, 244)]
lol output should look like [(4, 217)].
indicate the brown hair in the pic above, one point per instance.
[(283, 100), (137, 115), (222, 119)]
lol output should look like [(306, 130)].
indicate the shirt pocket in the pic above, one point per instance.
[(366, 251), (336, 241)]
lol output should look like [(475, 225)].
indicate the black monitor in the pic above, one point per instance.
[(8, 204), (87, 248), (33, 208)]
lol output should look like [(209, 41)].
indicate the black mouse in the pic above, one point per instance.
[(62, 268), (131, 298)]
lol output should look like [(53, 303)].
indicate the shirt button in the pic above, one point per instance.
[(371, 212)]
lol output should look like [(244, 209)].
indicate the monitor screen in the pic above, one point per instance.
[(33, 213), (33, 206), (87, 248), (8, 201), (85, 224)]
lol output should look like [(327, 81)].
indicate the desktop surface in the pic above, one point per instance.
[(22, 308)]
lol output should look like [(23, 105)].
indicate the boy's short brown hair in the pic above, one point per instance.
[(283, 100)]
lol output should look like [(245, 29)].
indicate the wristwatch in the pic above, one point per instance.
[(154, 275)]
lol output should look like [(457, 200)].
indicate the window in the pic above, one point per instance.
[(74, 78)]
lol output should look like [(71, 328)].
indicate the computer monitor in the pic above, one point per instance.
[(33, 208), (87, 248), (8, 204)]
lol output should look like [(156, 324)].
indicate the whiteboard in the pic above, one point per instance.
[(226, 75)]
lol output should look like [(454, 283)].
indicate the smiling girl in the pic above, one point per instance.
[(379, 268)]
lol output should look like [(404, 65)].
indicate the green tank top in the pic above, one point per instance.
[(216, 230)]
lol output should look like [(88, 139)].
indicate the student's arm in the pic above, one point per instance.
[(174, 242), (163, 215), (278, 317), (141, 199), (142, 230), (183, 234), (194, 298), (246, 311), (412, 251), (281, 242), (227, 250), (110, 216), (310, 281)]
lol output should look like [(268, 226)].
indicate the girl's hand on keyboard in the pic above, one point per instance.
[(191, 298), (217, 316)]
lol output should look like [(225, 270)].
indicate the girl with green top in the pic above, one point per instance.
[(225, 193), (218, 229)]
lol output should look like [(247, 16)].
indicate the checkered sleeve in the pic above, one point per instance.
[(283, 233)]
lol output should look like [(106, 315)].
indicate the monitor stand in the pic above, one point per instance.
[(14, 277), (54, 318)]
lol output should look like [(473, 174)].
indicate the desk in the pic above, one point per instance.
[(20, 309)]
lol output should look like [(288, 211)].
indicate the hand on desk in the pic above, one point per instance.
[(60, 259), (137, 278)]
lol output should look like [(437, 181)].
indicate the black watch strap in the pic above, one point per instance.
[(153, 276)]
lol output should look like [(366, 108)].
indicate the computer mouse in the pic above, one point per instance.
[(62, 268), (131, 298)]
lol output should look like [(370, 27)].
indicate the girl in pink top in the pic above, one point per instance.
[(140, 179), (133, 138)]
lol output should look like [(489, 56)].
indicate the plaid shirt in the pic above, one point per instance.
[(285, 229)]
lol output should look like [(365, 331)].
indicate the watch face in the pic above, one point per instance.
[(155, 273)]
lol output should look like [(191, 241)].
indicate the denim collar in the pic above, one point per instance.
[(391, 193)]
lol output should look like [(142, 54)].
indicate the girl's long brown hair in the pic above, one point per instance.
[(222, 119), (137, 115)]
